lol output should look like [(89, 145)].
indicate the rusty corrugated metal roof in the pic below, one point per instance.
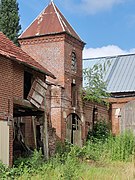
[(50, 21), (10, 50)]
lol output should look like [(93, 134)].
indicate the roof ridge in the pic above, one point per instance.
[(33, 21), (58, 15), (114, 56)]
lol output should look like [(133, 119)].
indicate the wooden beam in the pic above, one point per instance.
[(27, 113), (25, 104)]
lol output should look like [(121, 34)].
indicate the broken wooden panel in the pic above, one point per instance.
[(73, 129), (69, 128), (4, 142), (37, 92), (77, 140), (127, 119)]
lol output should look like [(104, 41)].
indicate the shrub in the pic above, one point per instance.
[(100, 131)]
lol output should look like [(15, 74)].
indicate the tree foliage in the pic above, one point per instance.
[(9, 19), (95, 87)]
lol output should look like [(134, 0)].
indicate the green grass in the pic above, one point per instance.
[(111, 158)]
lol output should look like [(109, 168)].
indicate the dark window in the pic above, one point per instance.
[(73, 63), (27, 83), (73, 95)]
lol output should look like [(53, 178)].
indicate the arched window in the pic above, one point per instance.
[(73, 63)]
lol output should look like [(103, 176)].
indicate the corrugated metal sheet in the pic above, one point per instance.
[(4, 142), (120, 75)]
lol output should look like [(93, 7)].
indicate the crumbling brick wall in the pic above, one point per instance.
[(102, 114)]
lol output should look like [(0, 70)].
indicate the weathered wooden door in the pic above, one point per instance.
[(73, 129), (127, 119)]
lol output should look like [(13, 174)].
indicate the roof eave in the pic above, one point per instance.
[(30, 66), (34, 68)]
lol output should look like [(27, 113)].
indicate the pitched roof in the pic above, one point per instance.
[(120, 76), (50, 21), (10, 50)]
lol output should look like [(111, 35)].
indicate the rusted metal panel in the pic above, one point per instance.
[(50, 21), (127, 119), (4, 142), (37, 92)]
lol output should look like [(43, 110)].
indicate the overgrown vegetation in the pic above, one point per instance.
[(95, 88), (100, 131), (102, 157)]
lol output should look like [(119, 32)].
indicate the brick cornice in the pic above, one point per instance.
[(73, 41), (52, 38), (42, 39)]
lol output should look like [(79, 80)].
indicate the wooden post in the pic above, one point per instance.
[(34, 131), (45, 131)]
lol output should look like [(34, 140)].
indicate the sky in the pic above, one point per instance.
[(106, 26)]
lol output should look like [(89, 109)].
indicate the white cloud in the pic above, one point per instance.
[(110, 50), (92, 6)]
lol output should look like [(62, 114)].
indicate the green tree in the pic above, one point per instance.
[(95, 87), (9, 19)]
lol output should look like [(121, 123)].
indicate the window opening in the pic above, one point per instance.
[(73, 65), (73, 95), (27, 83)]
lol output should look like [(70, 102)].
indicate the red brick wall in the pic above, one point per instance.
[(6, 87), (103, 114), (49, 51), (18, 80)]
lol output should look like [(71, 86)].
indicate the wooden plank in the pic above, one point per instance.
[(25, 104), (127, 120), (37, 92)]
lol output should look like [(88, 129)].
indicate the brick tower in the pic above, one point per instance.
[(52, 42)]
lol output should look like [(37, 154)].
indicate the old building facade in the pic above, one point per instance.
[(53, 42), (51, 52)]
